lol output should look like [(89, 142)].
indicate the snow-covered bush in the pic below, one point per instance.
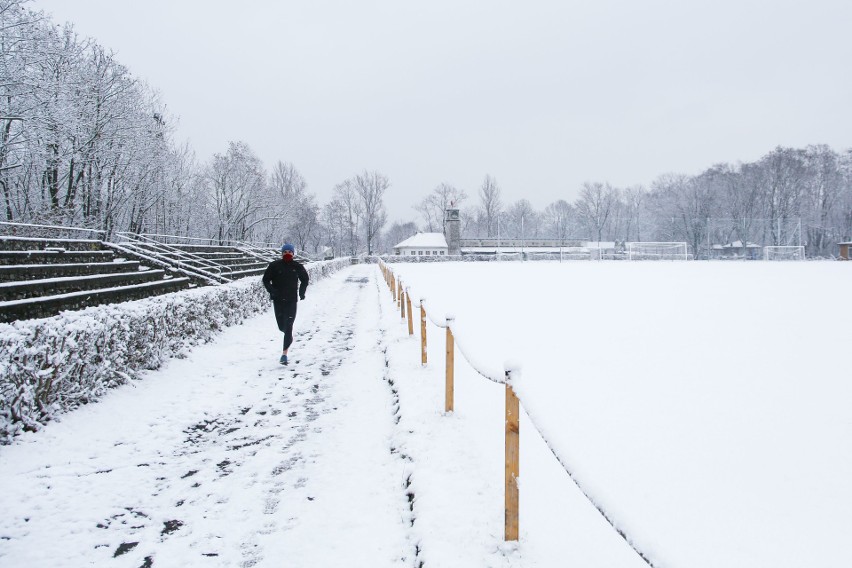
[(55, 364)]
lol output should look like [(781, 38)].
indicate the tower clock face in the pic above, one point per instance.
[(454, 215)]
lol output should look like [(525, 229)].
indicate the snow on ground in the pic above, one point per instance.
[(225, 458), (704, 406), (458, 471)]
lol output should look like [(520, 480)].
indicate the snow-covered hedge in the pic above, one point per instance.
[(55, 364)]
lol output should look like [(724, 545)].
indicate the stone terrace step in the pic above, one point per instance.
[(243, 273), (227, 260), (29, 243), (53, 286), (243, 265), (51, 305), (22, 272), (54, 257)]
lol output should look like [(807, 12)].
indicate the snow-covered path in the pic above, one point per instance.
[(225, 458)]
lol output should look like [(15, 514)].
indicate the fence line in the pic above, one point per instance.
[(512, 425)]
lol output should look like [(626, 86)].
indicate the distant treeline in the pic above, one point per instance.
[(788, 197)]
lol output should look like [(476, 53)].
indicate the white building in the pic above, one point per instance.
[(423, 244)]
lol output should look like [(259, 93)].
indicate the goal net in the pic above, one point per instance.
[(656, 251), (784, 253)]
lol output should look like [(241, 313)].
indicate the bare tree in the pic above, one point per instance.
[(823, 190), (348, 206), (634, 198), (433, 205), (595, 205), (397, 233), (689, 202), (371, 187), (741, 198), (334, 226), (843, 212), (236, 185), (305, 215), (295, 215), (782, 180), (521, 221), (429, 213), (557, 217), (286, 181), (470, 222), (491, 204)]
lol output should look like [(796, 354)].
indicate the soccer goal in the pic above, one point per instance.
[(783, 253), (657, 251)]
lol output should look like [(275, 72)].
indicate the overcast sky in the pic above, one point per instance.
[(541, 95)]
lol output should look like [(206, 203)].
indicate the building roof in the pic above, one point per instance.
[(424, 240)]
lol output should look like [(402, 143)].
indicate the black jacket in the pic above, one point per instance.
[(282, 278)]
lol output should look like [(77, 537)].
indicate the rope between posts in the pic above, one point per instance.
[(441, 325), (500, 381), (621, 532), (610, 521)]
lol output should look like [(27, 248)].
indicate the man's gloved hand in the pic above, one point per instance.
[(301, 296)]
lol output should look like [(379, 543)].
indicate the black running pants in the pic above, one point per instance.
[(285, 315)]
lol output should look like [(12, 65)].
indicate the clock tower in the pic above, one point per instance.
[(452, 230)]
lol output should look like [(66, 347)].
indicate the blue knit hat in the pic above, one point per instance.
[(288, 247)]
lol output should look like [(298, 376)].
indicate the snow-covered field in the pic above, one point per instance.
[(703, 406)]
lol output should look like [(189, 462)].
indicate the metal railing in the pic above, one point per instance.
[(168, 254), (171, 252)]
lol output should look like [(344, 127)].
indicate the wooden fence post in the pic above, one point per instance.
[(402, 302), (422, 333), (398, 291), (512, 462), (393, 288), (449, 385), (410, 315)]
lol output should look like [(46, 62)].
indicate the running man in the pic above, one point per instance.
[(282, 279)]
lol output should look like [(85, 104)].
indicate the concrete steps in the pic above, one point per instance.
[(40, 277), (47, 306)]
